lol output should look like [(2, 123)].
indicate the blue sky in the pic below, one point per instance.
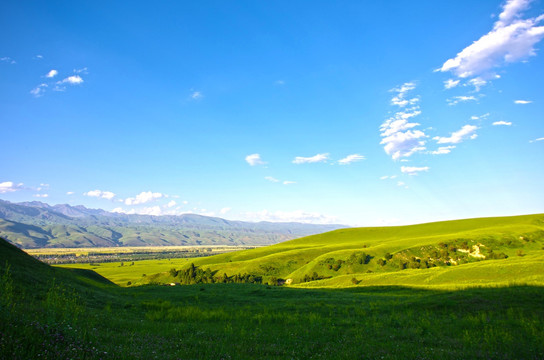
[(362, 113)]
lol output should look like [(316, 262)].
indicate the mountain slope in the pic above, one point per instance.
[(36, 224), (463, 251)]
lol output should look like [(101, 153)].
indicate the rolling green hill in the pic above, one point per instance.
[(56, 313), (457, 253)]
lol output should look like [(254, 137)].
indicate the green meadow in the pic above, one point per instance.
[(451, 254), (470, 289)]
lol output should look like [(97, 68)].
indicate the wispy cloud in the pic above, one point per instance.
[(312, 159), (388, 177), (399, 137), (479, 117), (413, 170), (450, 83), (456, 137), (39, 90), (512, 39), (171, 204), (100, 194), (8, 60), (271, 179), (531, 141), (351, 159), (196, 95), (443, 150), (504, 123), (51, 73), (290, 216), (462, 98), (477, 82), (522, 102), (69, 193), (10, 186), (143, 197), (288, 182), (41, 195), (254, 159)]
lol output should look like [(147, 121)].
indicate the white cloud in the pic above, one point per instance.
[(290, 216), (456, 137), (413, 170), (171, 204), (7, 59), (400, 98), (224, 210), (274, 180), (450, 83), (477, 82), (480, 117), (531, 141), (196, 95), (457, 99), (51, 74), (311, 159), (72, 80), (39, 90), (401, 183), (39, 56), (505, 123), (100, 194), (143, 197), (254, 159), (70, 193), (398, 138), (279, 82), (271, 179), (404, 144), (522, 102), (443, 150), (41, 195), (388, 177), (350, 159), (82, 70), (512, 39), (9, 186)]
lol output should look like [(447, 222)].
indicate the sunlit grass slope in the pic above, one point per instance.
[(458, 253), (54, 313)]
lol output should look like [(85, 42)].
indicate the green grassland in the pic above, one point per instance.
[(56, 313), (452, 254), (468, 289)]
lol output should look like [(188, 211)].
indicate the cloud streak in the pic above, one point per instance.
[(100, 194), (351, 159), (467, 131), (312, 159)]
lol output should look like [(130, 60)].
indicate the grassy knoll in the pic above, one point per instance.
[(56, 313), (454, 254)]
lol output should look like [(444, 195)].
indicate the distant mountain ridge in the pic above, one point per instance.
[(36, 224)]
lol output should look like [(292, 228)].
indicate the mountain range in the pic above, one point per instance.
[(36, 225)]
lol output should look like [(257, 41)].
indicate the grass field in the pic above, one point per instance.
[(452, 254), (479, 309)]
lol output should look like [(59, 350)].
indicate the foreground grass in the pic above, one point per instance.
[(242, 321)]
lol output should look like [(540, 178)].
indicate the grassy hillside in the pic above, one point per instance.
[(64, 314), (450, 253)]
